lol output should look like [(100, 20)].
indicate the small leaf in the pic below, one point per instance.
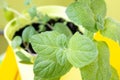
[(112, 30), (47, 67), (23, 57), (63, 29), (82, 51), (39, 78), (16, 42), (81, 14), (27, 2), (115, 75), (32, 12), (42, 28), (27, 33), (43, 18)]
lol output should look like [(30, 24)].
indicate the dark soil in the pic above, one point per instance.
[(51, 22)]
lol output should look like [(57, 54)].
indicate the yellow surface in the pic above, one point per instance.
[(8, 68), (73, 74)]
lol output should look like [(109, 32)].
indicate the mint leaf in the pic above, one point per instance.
[(89, 72), (23, 57), (27, 33), (38, 78), (99, 9), (51, 60), (48, 67), (43, 18), (32, 12), (42, 28), (104, 71), (45, 43), (63, 29), (82, 51), (115, 75), (112, 30), (81, 14), (100, 69), (16, 42), (27, 2), (88, 13)]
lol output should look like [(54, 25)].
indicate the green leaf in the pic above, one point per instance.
[(28, 33), (47, 43), (44, 18), (63, 29), (48, 67), (16, 42), (112, 30), (89, 72), (99, 8), (51, 60), (82, 51), (32, 12), (115, 75), (104, 71), (81, 14), (100, 69), (27, 2), (38, 78), (42, 28), (23, 57)]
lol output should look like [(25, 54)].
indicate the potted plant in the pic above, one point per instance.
[(51, 43)]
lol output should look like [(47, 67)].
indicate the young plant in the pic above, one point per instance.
[(57, 51), (58, 48)]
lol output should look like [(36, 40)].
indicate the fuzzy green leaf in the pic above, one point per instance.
[(27, 33), (99, 69), (43, 18), (50, 46), (81, 14), (23, 57), (27, 2), (42, 28), (38, 78), (16, 42), (63, 29), (89, 72), (98, 7), (82, 51), (32, 12), (104, 70), (48, 67), (112, 30), (115, 75)]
